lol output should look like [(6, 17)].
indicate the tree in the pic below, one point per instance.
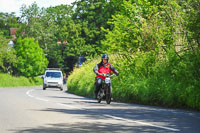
[(8, 21), (79, 27), (50, 25), (92, 15), (65, 54), (36, 23), (193, 21), (146, 25), (7, 55), (31, 59)]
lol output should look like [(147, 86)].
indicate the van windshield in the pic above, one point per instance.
[(53, 74)]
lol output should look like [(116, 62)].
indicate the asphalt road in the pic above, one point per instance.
[(33, 110)]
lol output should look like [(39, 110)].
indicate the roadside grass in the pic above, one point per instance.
[(81, 80), (7, 80), (158, 83)]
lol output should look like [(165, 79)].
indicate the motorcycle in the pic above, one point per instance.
[(105, 89)]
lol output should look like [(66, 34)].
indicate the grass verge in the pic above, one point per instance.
[(7, 80), (141, 81)]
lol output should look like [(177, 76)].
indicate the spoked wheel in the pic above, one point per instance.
[(99, 97), (99, 100), (108, 99), (108, 96)]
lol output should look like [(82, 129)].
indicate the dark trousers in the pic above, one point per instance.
[(98, 84)]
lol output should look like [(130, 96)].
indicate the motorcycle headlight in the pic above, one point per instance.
[(107, 80)]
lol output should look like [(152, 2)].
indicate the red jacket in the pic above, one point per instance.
[(107, 68)]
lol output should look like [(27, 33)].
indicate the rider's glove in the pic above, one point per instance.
[(101, 74)]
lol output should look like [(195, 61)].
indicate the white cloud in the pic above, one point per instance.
[(15, 5)]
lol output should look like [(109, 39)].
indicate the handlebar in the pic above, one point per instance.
[(112, 75), (105, 74)]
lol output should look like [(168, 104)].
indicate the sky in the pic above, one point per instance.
[(15, 5)]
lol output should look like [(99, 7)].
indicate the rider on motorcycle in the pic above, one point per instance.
[(103, 67)]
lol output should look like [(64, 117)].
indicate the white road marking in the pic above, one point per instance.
[(41, 99), (142, 123), (69, 106), (114, 117), (28, 93)]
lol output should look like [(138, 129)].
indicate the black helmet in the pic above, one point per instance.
[(104, 56)]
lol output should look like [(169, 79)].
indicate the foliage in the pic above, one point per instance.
[(77, 27), (157, 45), (81, 80), (192, 10), (54, 24), (37, 25), (12, 81), (8, 21), (93, 15), (31, 59), (163, 84), (7, 55), (144, 25)]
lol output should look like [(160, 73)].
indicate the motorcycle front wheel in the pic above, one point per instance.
[(108, 96), (99, 97), (99, 100)]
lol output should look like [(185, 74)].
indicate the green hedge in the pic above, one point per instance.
[(146, 79), (7, 80)]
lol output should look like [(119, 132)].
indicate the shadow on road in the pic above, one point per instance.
[(84, 127), (68, 97), (100, 122), (96, 115)]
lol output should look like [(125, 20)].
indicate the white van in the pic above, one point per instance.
[(53, 78)]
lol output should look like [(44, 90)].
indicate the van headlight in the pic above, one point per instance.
[(45, 81), (60, 82)]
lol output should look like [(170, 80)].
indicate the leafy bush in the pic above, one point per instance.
[(31, 59)]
